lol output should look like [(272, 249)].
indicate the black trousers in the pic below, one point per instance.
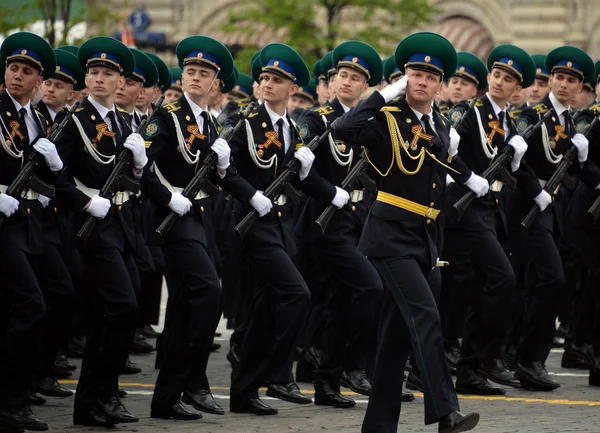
[(489, 302), (59, 294), (278, 310), (111, 276), (150, 263), (23, 315), (193, 311), (352, 312), (409, 324), (539, 318)]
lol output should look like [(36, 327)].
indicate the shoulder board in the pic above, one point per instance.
[(595, 108), (391, 108), (243, 102), (540, 108), (515, 114), (173, 106), (251, 115), (478, 103), (325, 110), (77, 110)]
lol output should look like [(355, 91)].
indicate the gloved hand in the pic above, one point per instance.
[(449, 180), (519, 144), (543, 199), (136, 144), (582, 145), (179, 204), (341, 198), (45, 201), (50, 154), (454, 141), (8, 204), (223, 151), (478, 185), (261, 204), (98, 206), (393, 90), (306, 158)]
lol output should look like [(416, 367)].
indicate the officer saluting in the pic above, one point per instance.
[(28, 59), (90, 144), (411, 148)]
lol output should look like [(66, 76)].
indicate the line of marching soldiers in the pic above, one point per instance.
[(126, 171)]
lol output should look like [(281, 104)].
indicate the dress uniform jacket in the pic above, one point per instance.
[(391, 230)]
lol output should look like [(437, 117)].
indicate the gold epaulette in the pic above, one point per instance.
[(391, 109), (514, 114), (173, 106), (478, 103), (595, 108), (242, 103), (324, 110), (540, 108)]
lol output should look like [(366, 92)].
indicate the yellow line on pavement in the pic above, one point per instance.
[(418, 394)]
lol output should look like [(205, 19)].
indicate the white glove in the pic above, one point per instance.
[(393, 90), (582, 145), (306, 158), (519, 144), (223, 151), (45, 201), (8, 204), (261, 204), (449, 180), (50, 154), (478, 185), (543, 199), (98, 206), (179, 204), (454, 141), (341, 198), (136, 144)]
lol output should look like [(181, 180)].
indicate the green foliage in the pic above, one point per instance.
[(314, 27)]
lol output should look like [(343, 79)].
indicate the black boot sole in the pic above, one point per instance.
[(533, 385), (469, 422)]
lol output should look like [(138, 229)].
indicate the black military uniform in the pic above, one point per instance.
[(546, 147)]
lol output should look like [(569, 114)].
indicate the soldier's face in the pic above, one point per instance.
[(322, 92), (127, 93), (172, 95), (331, 86), (537, 91), (501, 84), (102, 82), (518, 97), (21, 79), (197, 79), (582, 99), (350, 85), (565, 87), (56, 93), (276, 89), (422, 86), (298, 102), (461, 89)]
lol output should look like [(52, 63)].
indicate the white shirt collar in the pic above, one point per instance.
[(496, 107), (52, 113), (135, 110), (558, 107), (420, 115), (101, 109), (275, 117), (196, 109), (346, 108), (18, 106)]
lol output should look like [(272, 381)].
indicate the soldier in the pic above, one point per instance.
[(303, 99), (76, 93), (89, 145), (174, 92), (569, 67), (539, 89), (28, 59), (351, 311), (485, 132), (178, 139), (411, 147), (260, 150), (322, 85), (328, 69), (585, 98)]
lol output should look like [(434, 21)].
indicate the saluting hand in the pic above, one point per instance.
[(393, 90)]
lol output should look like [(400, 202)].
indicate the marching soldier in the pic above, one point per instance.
[(303, 99), (178, 140), (28, 59), (569, 67), (487, 131), (411, 147), (89, 145), (358, 67), (261, 150), (540, 88)]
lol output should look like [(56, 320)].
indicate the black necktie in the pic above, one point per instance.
[(136, 119), (23, 124), (281, 135), (115, 126), (568, 120), (501, 115), (428, 129), (205, 126)]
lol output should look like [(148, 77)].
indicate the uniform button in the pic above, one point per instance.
[(55, 210), (497, 201), (433, 186), (201, 208), (428, 221), (119, 207), (353, 208), (279, 214), (432, 204), (28, 210)]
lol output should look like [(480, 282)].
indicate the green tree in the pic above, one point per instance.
[(314, 27)]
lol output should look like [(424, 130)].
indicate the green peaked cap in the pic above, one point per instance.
[(428, 52), (571, 60), (107, 52), (69, 69), (361, 57), (514, 60), (283, 60), (472, 68), (145, 69), (205, 51), (31, 49)]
